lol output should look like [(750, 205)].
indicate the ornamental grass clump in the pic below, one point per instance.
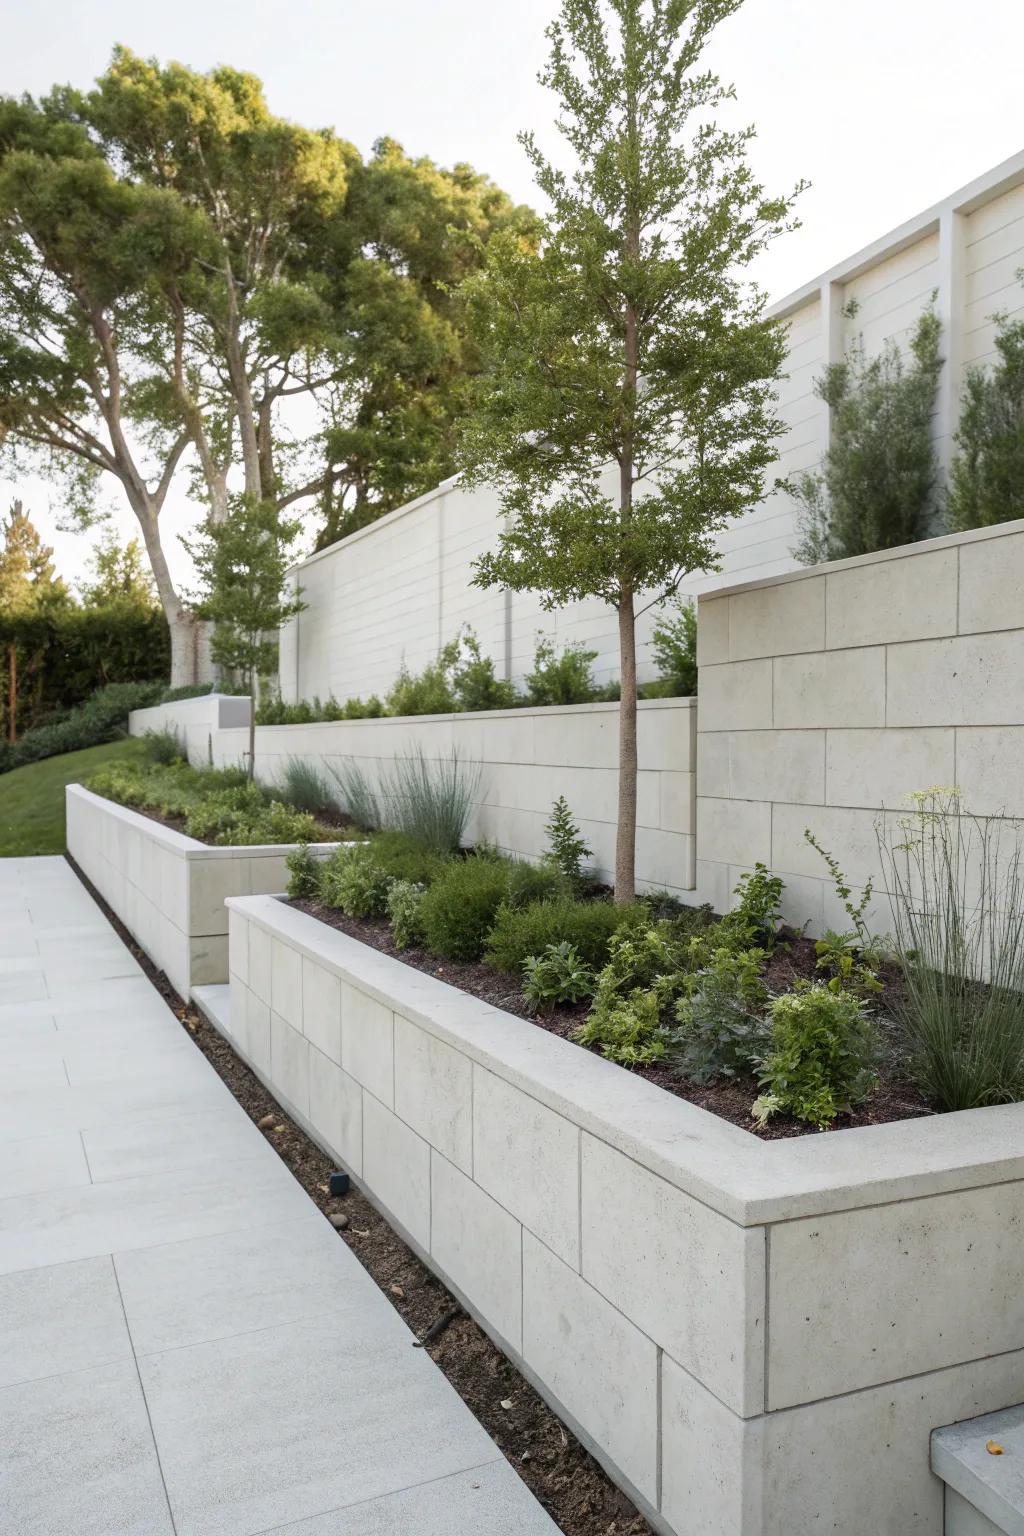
[(957, 884), (430, 798), (304, 786)]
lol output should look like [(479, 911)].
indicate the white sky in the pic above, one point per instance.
[(885, 106)]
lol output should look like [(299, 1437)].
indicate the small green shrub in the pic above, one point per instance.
[(304, 871), (557, 976), (820, 1057), (567, 848), (404, 906), (242, 816), (102, 717), (353, 881), (756, 917), (564, 679), (720, 1024), (162, 747), (674, 648), (628, 1030), (474, 684), (516, 934), (459, 908), (307, 789), (430, 692), (530, 883), (406, 858)]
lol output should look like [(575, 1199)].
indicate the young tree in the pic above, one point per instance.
[(878, 486), (28, 580), (987, 477), (242, 561), (628, 408), (118, 576)]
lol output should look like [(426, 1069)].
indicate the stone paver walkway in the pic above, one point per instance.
[(186, 1346)]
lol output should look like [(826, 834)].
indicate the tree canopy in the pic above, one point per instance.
[(28, 579), (987, 476)]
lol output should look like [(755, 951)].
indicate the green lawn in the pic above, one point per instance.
[(32, 797)]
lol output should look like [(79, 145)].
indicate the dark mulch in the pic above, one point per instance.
[(894, 1097), (564, 1477)]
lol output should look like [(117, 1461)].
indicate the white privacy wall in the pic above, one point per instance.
[(398, 590)]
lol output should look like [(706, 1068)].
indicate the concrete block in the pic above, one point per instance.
[(665, 858), (590, 736), (602, 1369), (712, 778), (665, 735), (963, 1519), (286, 982), (991, 582), (849, 835), (972, 680), (211, 882), (368, 1043), (396, 1169), (207, 960), (734, 831), (736, 696), (831, 688), (434, 1091), (678, 802), (336, 1110), (636, 1231), (478, 1246), (710, 1460), (259, 963), (834, 1329), (268, 874), (712, 630), (777, 765), (528, 1158), (238, 946), (990, 769), (321, 1009), (910, 598), (777, 620), (881, 767), (257, 1032), (289, 1063)]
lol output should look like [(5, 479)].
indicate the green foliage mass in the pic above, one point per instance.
[(878, 486), (820, 1058), (103, 717), (558, 976), (987, 477), (518, 934)]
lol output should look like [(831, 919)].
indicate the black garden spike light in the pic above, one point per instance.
[(339, 1183)]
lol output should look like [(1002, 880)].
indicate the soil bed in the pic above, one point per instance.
[(893, 1098), (564, 1478), (333, 830)]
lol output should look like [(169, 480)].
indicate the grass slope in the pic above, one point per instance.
[(32, 797)]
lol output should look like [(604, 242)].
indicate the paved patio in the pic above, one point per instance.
[(186, 1346)]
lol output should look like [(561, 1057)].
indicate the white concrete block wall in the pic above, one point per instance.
[(829, 696), (168, 889), (754, 1338)]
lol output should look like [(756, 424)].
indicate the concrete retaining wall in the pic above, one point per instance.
[(168, 889), (529, 757), (195, 722), (755, 1338), (828, 696)]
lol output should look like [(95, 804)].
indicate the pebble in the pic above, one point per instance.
[(338, 1222), (267, 1120)]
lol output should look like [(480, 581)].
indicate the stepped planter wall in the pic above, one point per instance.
[(755, 1338), (168, 889)]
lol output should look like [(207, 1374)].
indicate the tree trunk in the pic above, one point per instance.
[(252, 726), (180, 622), (12, 692), (625, 839)]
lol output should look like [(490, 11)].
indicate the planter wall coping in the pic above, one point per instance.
[(179, 842), (524, 712), (748, 1180)]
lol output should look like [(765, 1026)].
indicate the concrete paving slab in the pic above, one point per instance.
[(485, 1501), (46, 1111), (210, 1288), (164, 1143), (77, 1458), (41, 1163), (67, 1317), (332, 1416)]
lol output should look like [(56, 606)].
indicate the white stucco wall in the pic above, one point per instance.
[(396, 591)]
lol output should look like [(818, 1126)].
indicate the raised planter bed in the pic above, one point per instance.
[(754, 1338), (169, 889)]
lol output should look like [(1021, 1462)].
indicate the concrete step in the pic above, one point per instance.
[(215, 1002), (984, 1492)]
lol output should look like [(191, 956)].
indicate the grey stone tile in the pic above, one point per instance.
[(330, 1418), (77, 1458), (139, 1213), (29, 988), (487, 1501), (181, 1138), (46, 1111), (65, 1318), (212, 1287), (42, 1162), (173, 1064)]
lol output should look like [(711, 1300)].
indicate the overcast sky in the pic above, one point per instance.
[(884, 107)]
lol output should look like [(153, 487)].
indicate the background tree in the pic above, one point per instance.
[(82, 256), (28, 578), (879, 483), (628, 410), (243, 561), (118, 576), (987, 476)]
